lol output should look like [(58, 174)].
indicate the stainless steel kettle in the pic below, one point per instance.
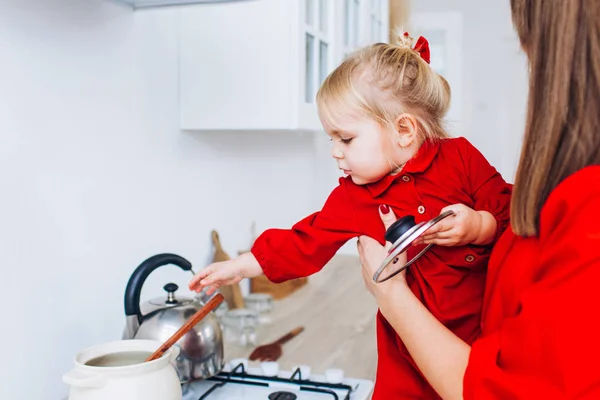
[(201, 354)]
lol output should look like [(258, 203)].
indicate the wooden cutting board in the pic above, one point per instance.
[(231, 293), (262, 284)]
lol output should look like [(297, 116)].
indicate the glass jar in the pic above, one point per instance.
[(239, 326), (262, 303)]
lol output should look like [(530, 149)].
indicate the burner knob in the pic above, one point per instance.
[(334, 375), (270, 368), (399, 228), (282, 396)]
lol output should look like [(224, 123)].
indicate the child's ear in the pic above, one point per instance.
[(407, 128)]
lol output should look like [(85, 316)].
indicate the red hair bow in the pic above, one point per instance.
[(422, 47)]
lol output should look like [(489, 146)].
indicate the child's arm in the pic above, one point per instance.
[(488, 230), (305, 248), (490, 192), (226, 273), (488, 219), (283, 254)]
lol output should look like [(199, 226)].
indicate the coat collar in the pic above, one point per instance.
[(416, 165)]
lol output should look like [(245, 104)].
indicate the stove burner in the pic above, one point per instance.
[(282, 396), (244, 378)]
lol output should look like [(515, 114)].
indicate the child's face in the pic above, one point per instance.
[(362, 149)]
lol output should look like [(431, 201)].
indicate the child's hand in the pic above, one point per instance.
[(225, 273), (464, 227)]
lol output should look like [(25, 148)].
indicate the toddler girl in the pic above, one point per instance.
[(383, 109)]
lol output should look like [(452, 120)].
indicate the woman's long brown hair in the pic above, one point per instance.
[(562, 132)]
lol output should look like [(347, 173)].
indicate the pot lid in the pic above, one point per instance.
[(402, 234)]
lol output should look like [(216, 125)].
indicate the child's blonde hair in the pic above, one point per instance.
[(383, 81)]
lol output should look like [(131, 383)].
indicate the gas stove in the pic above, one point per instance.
[(237, 382)]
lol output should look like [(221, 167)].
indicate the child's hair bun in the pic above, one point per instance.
[(402, 39)]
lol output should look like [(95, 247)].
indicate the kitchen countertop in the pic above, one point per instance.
[(338, 315)]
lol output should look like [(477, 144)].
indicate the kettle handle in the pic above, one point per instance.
[(137, 279)]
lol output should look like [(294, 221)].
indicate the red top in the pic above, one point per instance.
[(540, 326), (450, 281)]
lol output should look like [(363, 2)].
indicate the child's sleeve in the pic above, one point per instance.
[(305, 248), (488, 189)]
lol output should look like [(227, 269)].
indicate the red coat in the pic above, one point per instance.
[(541, 320), (449, 280)]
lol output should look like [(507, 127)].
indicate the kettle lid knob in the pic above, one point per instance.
[(171, 288)]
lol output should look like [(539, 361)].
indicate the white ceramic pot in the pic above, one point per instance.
[(154, 380)]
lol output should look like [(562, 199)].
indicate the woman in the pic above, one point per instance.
[(540, 327)]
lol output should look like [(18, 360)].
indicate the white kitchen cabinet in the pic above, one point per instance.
[(257, 65), (364, 22), (378, 17)]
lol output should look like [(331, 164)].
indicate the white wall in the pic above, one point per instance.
[(96, 177), (494, 78)]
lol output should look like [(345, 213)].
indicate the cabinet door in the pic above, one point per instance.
[(236, 66), (377, 21), (361, 23), (351, 18), (316, 54)]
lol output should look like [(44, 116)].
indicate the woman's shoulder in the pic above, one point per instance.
[(577, 189), (574, 204)]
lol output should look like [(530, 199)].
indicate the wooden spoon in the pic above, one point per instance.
[(189, 324), (272, 351)]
